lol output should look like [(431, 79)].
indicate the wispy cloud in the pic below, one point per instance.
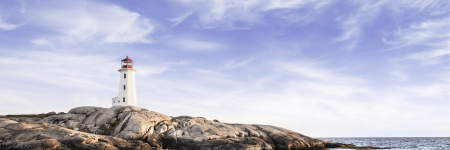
[(429, 6), (8, 26), (281, 4), (53, 77), (103, 23), (351, 25), (233, 64), (6, 19), (320, 79), (431, 57), (433, 91), (418, 33), (402, 76), (351, 30), (311, 69), (195, 45), (38, 67), (236, 14), (181, 18), (430, 32)]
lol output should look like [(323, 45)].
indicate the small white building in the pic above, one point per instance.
[(127, 92)]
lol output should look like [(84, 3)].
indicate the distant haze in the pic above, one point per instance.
[(328, 68)]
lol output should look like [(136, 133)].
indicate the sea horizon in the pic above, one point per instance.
[(411, 143), (388, 137)]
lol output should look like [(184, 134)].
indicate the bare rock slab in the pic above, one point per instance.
[(130, 127)]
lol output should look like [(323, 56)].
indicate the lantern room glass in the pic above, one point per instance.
[(127, 64)]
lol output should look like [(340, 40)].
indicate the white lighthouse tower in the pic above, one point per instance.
[(127, 92)]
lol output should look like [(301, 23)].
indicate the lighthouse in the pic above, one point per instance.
[(127, 92)]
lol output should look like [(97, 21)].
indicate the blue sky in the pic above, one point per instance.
[(322, 68)]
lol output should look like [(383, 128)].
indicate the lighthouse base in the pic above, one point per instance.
[(118, 102)]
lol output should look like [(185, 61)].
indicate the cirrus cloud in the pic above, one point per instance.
[(238, 15), (89, 22)]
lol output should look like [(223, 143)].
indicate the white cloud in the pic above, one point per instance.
[(305, 70), (195, 45), (40, 41), (311, 76), (352, 24), (8, 20), (281, 4), (351, 30), (181, 18), (431, 57), (224, 14), (278, 85), (424, 33), (436, 91), (237, 14), (152, 70), (7, 26), (428, 6), (400, 75), (160, 67), (4, 25), (430, 32), (233, 64), (312, 70), (92, 22), (49, 79), (37, 66)]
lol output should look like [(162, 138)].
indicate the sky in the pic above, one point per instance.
[(328, 68)]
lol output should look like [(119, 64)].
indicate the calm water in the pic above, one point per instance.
[(412, 143)]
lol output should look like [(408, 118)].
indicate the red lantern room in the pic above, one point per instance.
[(127, 63)]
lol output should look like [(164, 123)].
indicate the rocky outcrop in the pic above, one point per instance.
[(128, 122), (129, 127), (38, 136)]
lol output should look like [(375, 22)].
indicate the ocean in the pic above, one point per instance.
[(398, 143)]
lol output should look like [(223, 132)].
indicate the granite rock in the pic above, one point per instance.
[(130, 127)]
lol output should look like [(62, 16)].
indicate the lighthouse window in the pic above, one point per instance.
[(124, 75), (124, 99), (123, 87)]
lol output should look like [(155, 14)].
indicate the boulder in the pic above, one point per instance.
[(20, 135), (126, 122)]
